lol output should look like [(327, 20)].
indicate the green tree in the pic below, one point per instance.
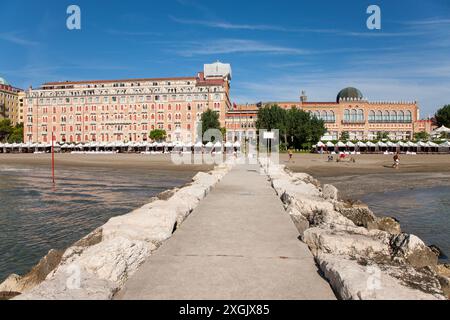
[(210, 120), (297, 128), (5, 129), (382, 135), (16, 135), (158, 135), (421, 136), (345, 136), (443, 116), (273, 117)]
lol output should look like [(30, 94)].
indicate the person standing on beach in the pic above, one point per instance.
[(396, 161)]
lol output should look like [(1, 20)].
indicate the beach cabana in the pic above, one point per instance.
[(412, 147), (361, 146), (237, 147), (209, 147), (371, 147), (433, 147), (392, 147), (330, 146), (341, 146), (320, 147), (218, 147), (445, 147), (382, 147), (198, 147), (228, 147), (350, 146)]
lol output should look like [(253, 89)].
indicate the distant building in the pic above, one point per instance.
[(9, 102), (126, 110), (351, 112)]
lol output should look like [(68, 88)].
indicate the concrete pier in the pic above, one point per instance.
[(237, 244)]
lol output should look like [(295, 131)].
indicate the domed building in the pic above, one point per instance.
[(349, 93), (3, 82), (351, 112)]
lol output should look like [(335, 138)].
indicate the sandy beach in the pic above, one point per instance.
[(116, 161), (373, 173)]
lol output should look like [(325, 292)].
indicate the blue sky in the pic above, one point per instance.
[(276, 48)]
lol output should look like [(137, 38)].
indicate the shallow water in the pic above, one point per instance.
[(35, 216), (422, 212)]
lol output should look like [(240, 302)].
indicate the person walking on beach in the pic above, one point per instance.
[(396, 161), (290, 154)]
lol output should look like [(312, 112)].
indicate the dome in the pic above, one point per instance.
[(3, 81), (349, 93)]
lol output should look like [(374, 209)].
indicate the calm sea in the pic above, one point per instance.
[(423, 212), (36, 217)]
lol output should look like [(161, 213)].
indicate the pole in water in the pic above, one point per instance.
[(53, 158)]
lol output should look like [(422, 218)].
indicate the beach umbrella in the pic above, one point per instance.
[(2, 145), (432, 144), (381, 144), (371, 144), (340, 144), (446, 144), (330, 144)]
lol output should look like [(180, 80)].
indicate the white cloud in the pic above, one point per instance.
[(15, 38)]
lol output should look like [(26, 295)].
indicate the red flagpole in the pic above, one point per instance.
[(53, 158)]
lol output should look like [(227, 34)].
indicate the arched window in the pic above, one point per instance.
[(331, 116), (379, 116), (353, 115), (360, 115), (408, 116), (346, 115), (324, 116), (393, 116), (386, 116), (371, 116), (401, 116)]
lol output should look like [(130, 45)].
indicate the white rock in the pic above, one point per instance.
[(342, 243), (352, 281)]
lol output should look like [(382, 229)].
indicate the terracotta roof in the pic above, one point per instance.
[(121, 80)]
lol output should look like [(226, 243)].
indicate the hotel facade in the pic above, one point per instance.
[(126, 110), (10, 105), (351, 112)]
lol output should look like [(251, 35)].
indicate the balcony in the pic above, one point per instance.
[(354, 121), (391, 121)]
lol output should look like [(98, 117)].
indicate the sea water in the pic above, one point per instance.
[(36, 216), (422, 212)]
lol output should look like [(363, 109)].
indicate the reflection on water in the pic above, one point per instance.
[(36, 217), (423, 212)]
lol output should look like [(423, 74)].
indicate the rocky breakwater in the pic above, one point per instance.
[(97, 266), (361, 255)]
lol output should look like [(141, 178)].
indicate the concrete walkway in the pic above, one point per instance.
[(237, 244)]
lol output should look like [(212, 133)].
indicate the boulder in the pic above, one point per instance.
[(388, 224), (409, 248), (16, 283), (360, 214), (343, 243), (354, 281), (300, 221), (330, 192)]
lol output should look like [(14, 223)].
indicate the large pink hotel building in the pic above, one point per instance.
[(126, 110)]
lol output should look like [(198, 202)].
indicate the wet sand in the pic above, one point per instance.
[(374, 173), (116, 161)]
